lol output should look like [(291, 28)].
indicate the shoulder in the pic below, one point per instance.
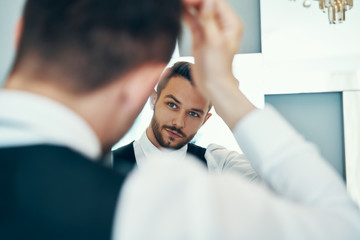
[(193, 147), (218, 150), (50, 157), (39, 152), (197, 151), (123, 158), (124, 150), (220, 158), (215, 149)]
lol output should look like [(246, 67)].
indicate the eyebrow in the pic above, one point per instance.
[(173, 98), (177, 101)]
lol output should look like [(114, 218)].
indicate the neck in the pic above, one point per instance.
[(82, 104)]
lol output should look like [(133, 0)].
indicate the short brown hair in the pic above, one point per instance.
[(94, 41), (182, 69)]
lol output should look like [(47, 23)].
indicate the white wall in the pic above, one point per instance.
[(10, 11)]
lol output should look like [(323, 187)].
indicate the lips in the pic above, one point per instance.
[(173, 133)]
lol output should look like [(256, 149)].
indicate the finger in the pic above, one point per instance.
[(230, 24), (208, 21), (194, 26)]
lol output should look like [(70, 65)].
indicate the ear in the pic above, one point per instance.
[(18, 31), (153, 99), (206, 118)]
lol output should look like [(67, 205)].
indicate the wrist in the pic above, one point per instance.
[(229, 102)]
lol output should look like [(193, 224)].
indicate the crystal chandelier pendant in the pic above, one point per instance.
[(336, 9)]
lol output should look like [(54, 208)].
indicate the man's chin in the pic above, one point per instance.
[(173, 146), (176, 146)]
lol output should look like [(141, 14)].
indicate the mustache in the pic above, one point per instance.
[(172, 128)]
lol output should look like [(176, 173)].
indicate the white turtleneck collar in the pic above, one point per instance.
[(146, 151)]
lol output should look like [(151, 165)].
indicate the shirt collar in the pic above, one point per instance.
[(27, 119), (148, 151)]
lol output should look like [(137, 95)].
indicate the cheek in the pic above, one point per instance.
[(164, 116), (193, 125)]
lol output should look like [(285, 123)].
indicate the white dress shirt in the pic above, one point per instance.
[(218, 158), (303, 198), (27, 119)]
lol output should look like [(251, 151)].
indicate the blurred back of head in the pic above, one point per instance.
[(82, 45)]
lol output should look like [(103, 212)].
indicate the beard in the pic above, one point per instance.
[(156, 128)]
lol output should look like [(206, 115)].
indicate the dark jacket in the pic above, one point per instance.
[(124, 157), (52, 192)]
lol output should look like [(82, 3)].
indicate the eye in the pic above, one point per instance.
[(194, 114), (172, 105)]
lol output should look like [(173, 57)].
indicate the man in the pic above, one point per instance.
[(179, 112), (52, 189), (83, 71)]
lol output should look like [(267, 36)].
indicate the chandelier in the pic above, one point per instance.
[(335, 8)]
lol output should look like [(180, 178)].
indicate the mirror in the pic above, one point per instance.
[(250, 79)]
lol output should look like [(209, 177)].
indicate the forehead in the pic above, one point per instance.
[(184, 92)]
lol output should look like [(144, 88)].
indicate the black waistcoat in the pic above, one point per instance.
[(50, 192), (124, 157)]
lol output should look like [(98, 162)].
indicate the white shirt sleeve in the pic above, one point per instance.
[(178, 200), (220, 160)]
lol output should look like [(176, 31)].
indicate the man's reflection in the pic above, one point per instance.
[(179, 112)]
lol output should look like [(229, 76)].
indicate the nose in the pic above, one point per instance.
[(179, 120)]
